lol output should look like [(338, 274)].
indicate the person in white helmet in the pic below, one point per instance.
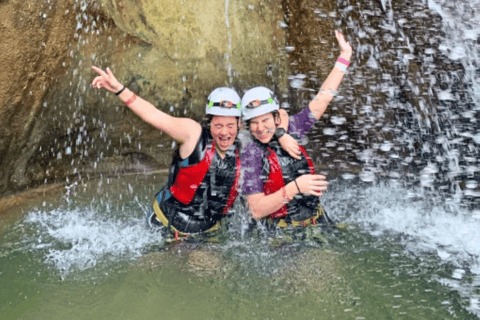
[(204, 175), (283, 189)]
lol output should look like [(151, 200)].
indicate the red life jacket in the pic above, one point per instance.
[(189, 178), (275, 179)]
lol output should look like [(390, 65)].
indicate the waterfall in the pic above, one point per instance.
[(229, 47)]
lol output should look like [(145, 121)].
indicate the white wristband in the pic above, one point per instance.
[(341, 66)]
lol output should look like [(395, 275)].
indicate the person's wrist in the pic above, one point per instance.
[(297, 187), (291, 189), (279, 132), (125, 95), (346, 55), (119, 91)]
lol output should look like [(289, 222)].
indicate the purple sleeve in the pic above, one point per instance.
[(301, 123), (252, 169)]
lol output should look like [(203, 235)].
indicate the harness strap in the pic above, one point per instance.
[(234, 189), (283, 223), (310, 162)]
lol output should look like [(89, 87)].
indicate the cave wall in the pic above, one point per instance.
[(172, 53)]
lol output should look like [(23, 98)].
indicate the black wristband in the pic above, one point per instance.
[(297, 186), (279, 132), (121, 90)]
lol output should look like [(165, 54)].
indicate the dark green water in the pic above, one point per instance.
[(354, 276)]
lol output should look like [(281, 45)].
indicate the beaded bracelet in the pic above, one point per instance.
[(129, 101)]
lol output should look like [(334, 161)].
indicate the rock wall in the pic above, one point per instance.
[(172, 53), (34, 36)]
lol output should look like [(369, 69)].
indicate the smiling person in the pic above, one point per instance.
[(279, 187), (203, 178)]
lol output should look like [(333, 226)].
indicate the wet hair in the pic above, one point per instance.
[(276, 118)]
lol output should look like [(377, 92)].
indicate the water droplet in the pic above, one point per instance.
[(297, 83), (329, 131), (338, 120)]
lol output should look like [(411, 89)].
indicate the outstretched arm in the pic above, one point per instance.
[(319, 104), (183, 130)]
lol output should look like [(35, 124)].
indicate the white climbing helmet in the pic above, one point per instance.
[(258, 101), (224, 101)]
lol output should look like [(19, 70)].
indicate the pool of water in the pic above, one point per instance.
[(86, 253)]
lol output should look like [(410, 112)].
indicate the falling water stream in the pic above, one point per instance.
[(229, 47), (406, 115)]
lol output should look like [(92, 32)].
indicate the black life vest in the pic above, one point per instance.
[(279, 169), (201, 189)]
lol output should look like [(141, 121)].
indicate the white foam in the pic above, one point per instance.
[(423, 227), (90, 237)]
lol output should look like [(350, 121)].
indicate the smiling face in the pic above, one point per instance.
[(263, 127), (224, 131)]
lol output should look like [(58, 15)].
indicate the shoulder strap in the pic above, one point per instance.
[(234, 189)]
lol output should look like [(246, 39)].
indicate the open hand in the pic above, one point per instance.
[(345, 47), (312, 184), (106, 80)]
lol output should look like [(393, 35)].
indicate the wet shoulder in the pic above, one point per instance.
[(251, 151)]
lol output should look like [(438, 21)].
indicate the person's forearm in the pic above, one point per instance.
[(143, 108), (265, 205), (179, 129), (283, 119), (334, 79), (327, 91)]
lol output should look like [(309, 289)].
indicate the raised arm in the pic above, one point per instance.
[(319, 104), (183, 130)]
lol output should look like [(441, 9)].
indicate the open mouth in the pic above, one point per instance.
[(224, 141)]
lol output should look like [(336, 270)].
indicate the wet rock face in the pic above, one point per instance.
[(311, 35), (201, 45), (172, 53), (33, 46)]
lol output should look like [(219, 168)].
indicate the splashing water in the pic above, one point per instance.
[(419, 132), (80, 238), (422, 226), (412, 95), (415, 125)]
